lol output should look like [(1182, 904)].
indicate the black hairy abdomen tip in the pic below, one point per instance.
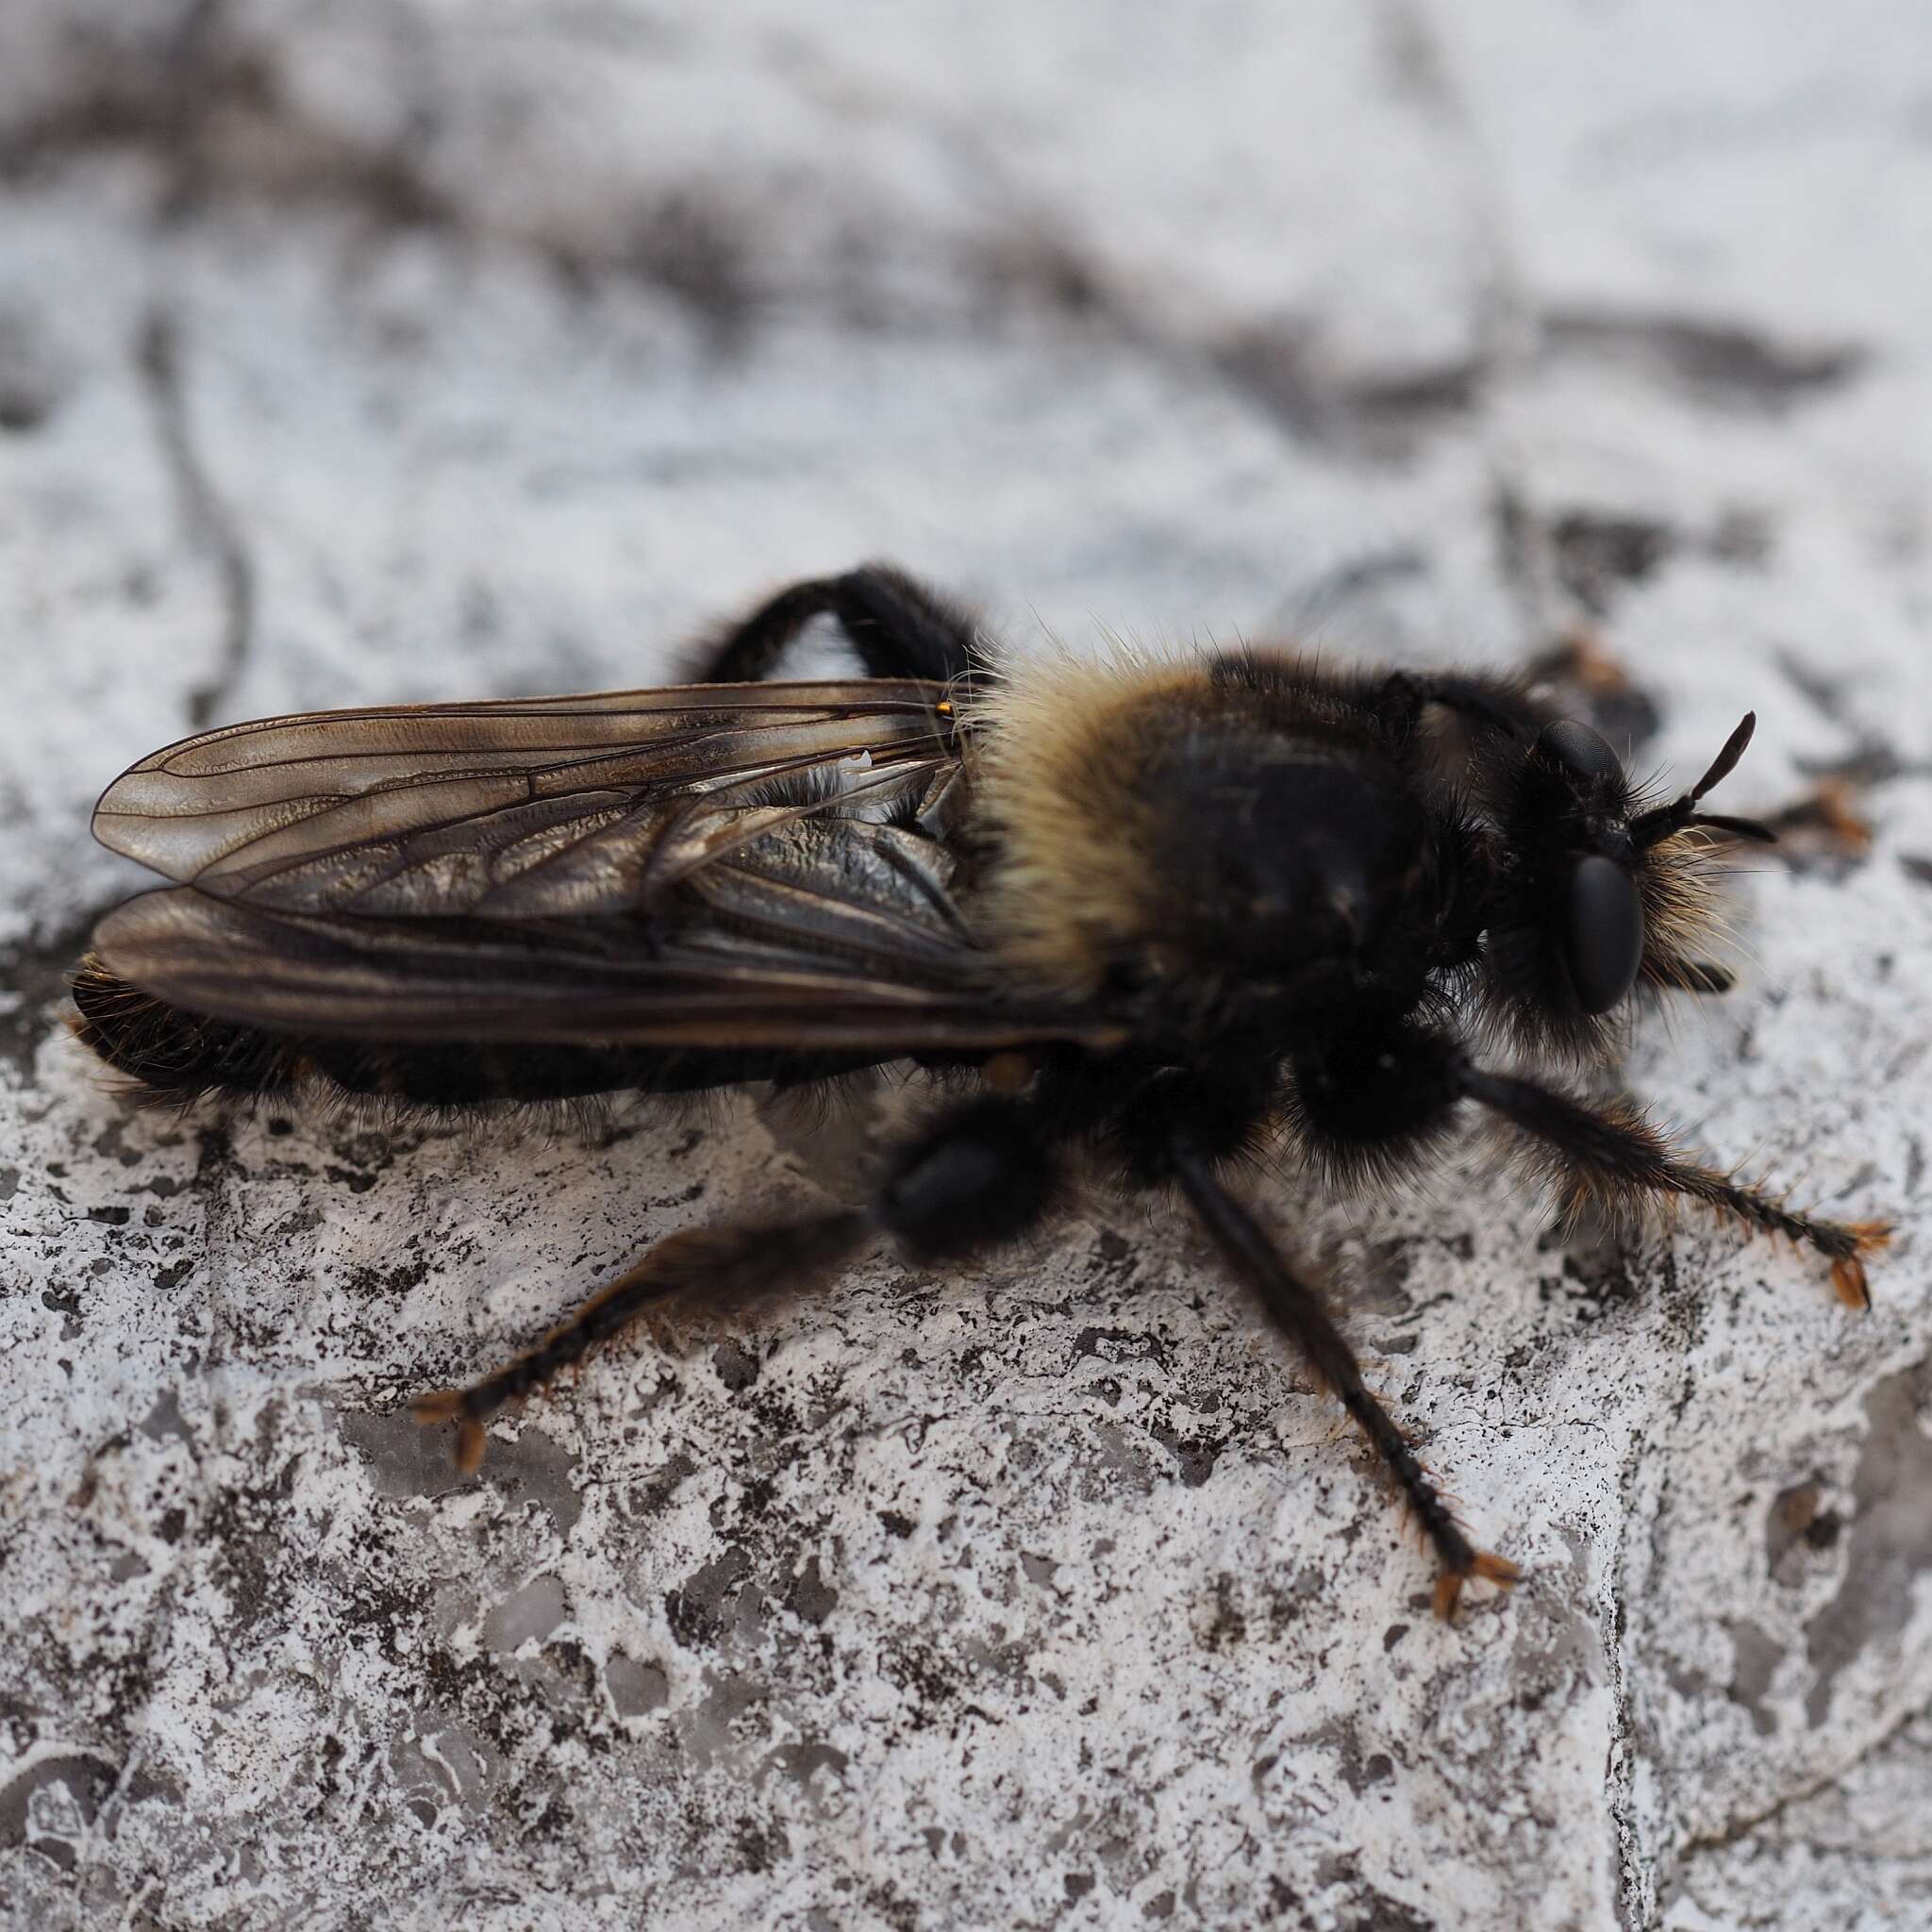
[(176, 1055)]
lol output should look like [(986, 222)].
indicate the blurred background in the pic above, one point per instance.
[(356, 351)]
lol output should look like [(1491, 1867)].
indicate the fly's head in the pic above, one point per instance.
[(1596, 888)]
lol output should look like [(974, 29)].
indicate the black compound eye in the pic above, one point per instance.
[(1603, 933), (1580, 751)]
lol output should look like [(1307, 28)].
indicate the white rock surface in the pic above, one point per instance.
[(368, 351)]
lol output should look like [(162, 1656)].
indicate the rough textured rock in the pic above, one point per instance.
[(367, 351)]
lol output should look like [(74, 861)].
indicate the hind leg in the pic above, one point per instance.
[(979, 1176), (898, 627)]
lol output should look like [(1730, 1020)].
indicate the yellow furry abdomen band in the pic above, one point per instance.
[(1058, 767)]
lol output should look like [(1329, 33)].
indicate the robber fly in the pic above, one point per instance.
[(1138, 917)]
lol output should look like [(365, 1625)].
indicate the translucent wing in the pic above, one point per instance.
[(512, 809), (758, 865)]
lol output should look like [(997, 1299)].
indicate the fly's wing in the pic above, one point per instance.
[(518, 809), (756, 865)]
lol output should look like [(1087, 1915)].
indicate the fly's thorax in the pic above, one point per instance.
[(1156, 834)]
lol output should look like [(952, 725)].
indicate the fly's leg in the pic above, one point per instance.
[(978, 1176), (720, 1268), (898, 627), (1369, 1104), (1296, 1309), (1612, 1158), (1372, 1103), (1179, 1129)]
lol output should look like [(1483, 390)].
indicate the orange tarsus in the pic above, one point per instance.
[(1833, 798), (1489, 1566), (446, 1405), (1848, 1273), (1583, 655)]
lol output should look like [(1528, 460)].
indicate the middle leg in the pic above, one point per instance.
[(1180, 1129), (1298, 1312)]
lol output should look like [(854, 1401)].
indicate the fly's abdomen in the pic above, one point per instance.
[(175, 1056), (178, 1058)]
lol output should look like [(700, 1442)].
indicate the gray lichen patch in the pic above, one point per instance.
[(1889, 1541)]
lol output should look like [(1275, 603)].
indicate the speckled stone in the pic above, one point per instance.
[(374, 351)]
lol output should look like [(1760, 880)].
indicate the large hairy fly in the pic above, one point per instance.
[(1138, 918)]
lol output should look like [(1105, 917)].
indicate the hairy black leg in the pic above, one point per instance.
[(1494, 703), (977, 1176), (720, 1267), (898, 626), (1297, 1311), (1367, 1102), (1614, 1159), (1167, 1126)]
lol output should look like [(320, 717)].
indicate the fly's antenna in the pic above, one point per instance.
[(1655, 827)]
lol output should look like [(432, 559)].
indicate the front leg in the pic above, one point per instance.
[(1614, 1159), (1372, 1103)]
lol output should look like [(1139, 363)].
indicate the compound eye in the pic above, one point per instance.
[(1581, 751), (1603, 935)]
